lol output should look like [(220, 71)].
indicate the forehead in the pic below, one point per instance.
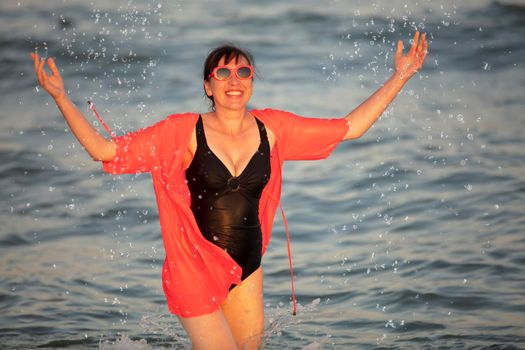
[(235, 61)]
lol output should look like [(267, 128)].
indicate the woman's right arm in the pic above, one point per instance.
[(96, 145)]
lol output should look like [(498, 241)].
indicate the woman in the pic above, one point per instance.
[(217, 179)]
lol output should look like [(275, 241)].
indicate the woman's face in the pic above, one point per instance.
[(233, 93)]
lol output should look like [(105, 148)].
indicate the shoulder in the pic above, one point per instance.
[(181, 118), (170, 131), (272, 118), (276, 116), (279, 121), (267, 112), (179, 123)]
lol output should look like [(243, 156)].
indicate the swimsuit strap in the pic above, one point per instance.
[(262, 134), (199, 131)]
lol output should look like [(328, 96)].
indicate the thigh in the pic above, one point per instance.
[(209, 331), (244, 311)]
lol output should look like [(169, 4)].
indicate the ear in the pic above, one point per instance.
[(207, 88)]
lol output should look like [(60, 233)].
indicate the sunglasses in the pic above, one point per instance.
[(225, 73)]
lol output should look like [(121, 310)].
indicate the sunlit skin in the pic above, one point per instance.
[(230, 105), (362, 117), (97, 146), (232, 133)]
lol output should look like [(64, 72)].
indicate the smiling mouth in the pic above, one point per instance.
[(234, 93)]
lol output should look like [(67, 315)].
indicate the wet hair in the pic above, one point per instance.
[(229, 52)]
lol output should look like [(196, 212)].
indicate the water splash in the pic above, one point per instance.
[(125, 343), (167, 326), (280, 319)]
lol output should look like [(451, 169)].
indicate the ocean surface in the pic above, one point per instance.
[(411, 237)]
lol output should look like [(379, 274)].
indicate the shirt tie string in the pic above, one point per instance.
[(294, 301), (289, 259), (92, 106)]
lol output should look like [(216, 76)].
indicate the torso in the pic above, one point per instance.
[(224, 200), (233, 153)]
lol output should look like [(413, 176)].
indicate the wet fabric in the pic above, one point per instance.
[(226, 207), (197, 274)]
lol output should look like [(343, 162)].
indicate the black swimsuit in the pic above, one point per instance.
[(226, 207)]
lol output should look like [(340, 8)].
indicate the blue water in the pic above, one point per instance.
[(411, 237)]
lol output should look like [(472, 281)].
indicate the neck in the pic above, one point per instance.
[(230, 122)]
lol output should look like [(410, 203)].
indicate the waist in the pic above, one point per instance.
[(233, 210)]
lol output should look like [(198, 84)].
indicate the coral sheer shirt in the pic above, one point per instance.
[(197, 274)]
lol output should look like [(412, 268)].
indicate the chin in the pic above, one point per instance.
[(235, 106)]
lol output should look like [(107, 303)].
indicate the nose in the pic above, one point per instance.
[(234, 79)]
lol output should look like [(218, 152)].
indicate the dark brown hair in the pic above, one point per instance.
[(229, 52)]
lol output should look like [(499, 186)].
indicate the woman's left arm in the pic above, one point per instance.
[(362, 118)]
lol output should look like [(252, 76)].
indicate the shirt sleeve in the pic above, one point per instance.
[(310, 138), (137, 151)]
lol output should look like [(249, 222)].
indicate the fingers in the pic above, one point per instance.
[(40, 71), (35, 62), (422, 50), (425, 47), (399, 50), (425, 51), (52, 65), (42, 75), (422, 44), (414, 43)]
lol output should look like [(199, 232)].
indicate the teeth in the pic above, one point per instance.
[(233, 93)]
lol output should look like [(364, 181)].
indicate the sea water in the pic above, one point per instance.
[(410, 237)]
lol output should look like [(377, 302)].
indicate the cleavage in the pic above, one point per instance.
[(230, 173)]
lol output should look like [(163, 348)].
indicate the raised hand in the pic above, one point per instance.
[(52, 83), (407, 65), (97, 146)]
